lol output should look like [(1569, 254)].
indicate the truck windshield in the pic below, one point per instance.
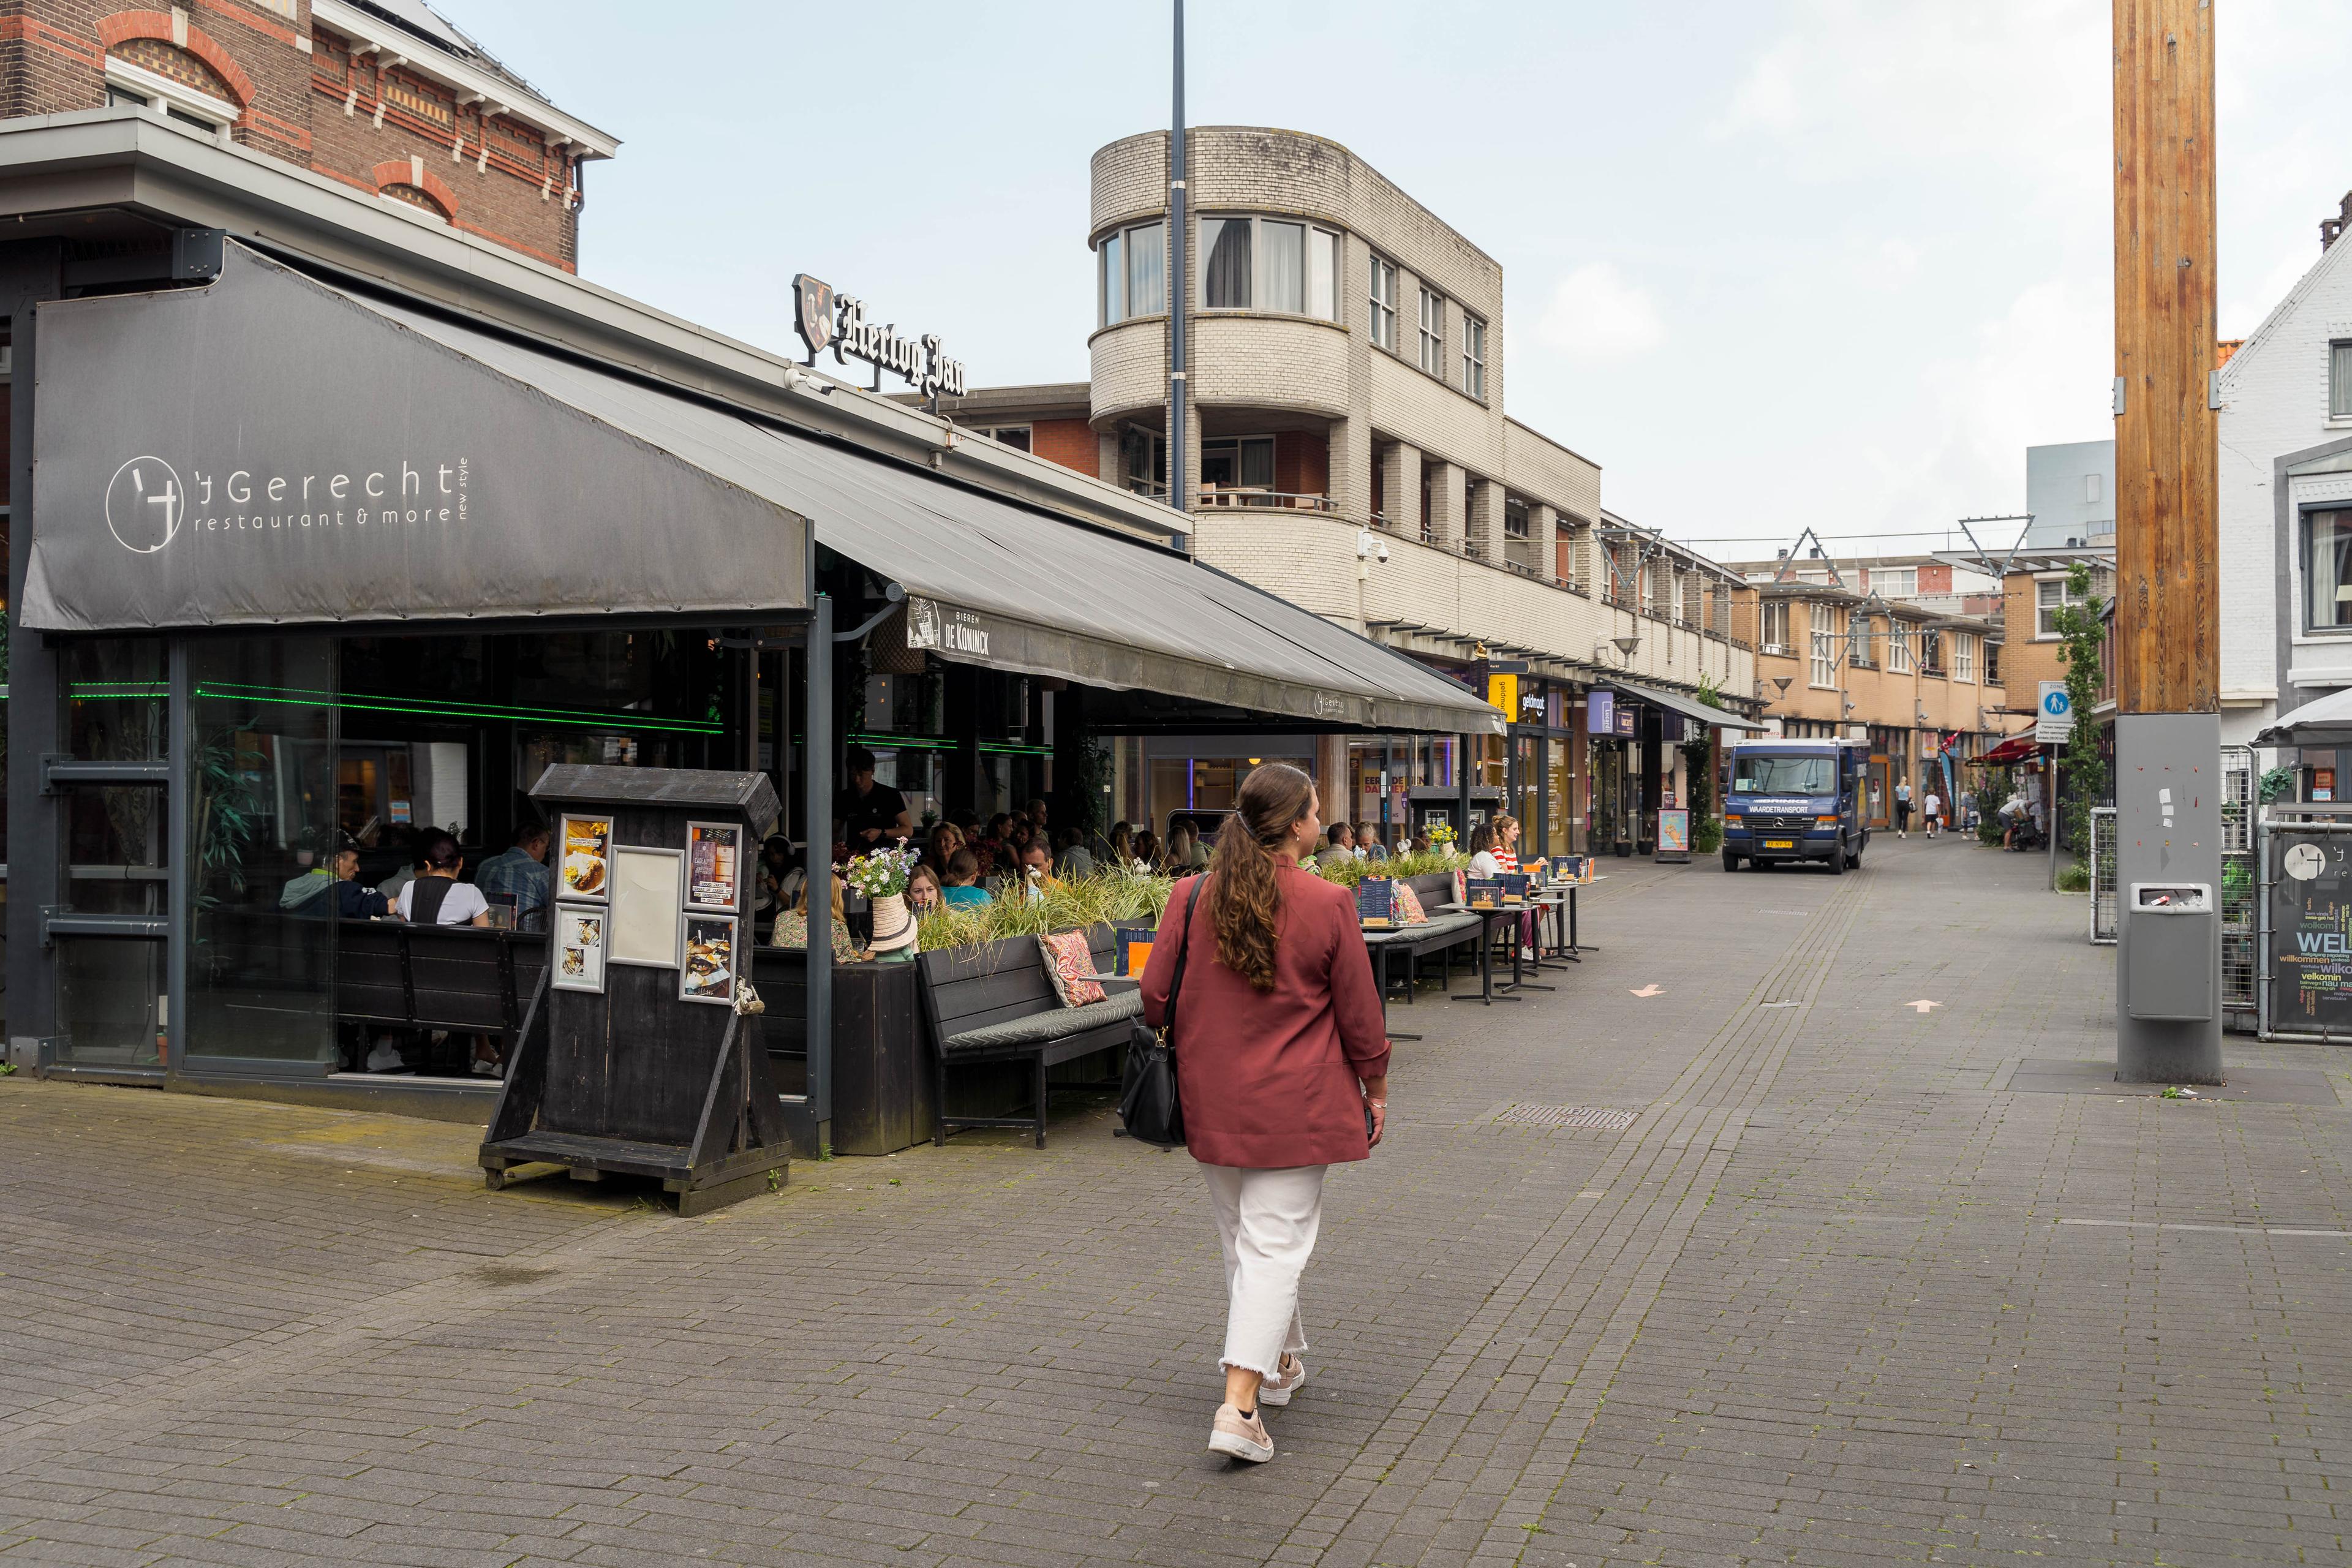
[(1783, 776)]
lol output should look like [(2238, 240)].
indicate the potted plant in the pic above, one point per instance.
[(881, 877)]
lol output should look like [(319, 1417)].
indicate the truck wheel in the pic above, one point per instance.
[(1730, 861), (1854, 861), (1837, 859)]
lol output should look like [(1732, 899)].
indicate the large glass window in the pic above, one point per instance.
[(1433, 332), (1225, 271), (1132, 264), (2326, 570), (2340, 380), (1755, 772), (1964, 657), (265, 790), (1858, 652), (1825, 650), (1244, 462), (1473, 357), (1384, 304), (1269, 264), (1775, 624), (1898, 647)]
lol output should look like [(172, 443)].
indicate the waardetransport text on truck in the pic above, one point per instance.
[(1796, 801)]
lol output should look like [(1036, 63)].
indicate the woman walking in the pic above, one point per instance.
[(1283, 1057)]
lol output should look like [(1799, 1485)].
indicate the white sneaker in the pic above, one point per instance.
[(1243, 1439), (385, 1058), (1292, 1377)]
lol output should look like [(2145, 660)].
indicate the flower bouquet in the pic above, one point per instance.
[(1442, 835), (882, 875)]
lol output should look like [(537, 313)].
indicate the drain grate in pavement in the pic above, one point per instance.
[(1598, 1118)]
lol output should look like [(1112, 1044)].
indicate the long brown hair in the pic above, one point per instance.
[(1245, 894)]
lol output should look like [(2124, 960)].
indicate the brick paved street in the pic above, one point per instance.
[(1853, 1287)]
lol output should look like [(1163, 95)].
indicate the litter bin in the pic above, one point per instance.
[(2173, 952)]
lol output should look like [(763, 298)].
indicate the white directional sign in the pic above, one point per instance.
[(2053, 716)]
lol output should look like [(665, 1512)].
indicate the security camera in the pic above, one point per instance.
[(1383, 555)]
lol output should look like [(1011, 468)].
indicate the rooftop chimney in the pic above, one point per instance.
[(2331, 229)]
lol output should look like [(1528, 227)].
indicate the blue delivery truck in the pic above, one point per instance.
[(1796, 800)]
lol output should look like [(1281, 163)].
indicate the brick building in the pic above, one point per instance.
[(1922, 684), (381, 96), (1348, 449)]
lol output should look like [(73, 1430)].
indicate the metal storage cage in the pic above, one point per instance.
[(2240, 958), (2103, 875)]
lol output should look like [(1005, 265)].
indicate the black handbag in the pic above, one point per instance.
[(1149, 1108)]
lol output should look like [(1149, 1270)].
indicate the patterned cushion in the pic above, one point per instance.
[(1408, 906), (1039, 1028), (1070, 967)]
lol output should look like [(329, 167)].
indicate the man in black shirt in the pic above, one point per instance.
[(876, 812)]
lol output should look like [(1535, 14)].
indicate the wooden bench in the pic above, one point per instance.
[(994, 1001), (463, 979)]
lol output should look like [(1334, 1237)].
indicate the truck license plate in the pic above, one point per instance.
[(1780, 844)]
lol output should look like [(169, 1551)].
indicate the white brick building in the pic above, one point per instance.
[(2286, 503), (1348, 449)]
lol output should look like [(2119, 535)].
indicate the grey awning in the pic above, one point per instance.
[(2321, 722), (1690, 707), (266, 450), (997, 584)]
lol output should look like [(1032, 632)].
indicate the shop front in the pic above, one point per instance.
[(273, 604)]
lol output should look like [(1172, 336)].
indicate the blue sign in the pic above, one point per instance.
[(1600, 713)]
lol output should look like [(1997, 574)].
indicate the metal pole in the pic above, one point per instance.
[(1180, 493), (817, 754), (2057, 816)]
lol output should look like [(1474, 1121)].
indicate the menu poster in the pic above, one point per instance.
[(579, 947), (714, 865), (1674, 832), (1574, 869), (709, 971), (1515, 888), (1376, 903), (584, 869), (1130, 949), (648, 886), (1483, 892)]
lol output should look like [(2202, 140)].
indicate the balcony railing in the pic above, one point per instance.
[(1252, 496)]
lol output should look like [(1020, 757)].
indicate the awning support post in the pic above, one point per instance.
[(817, 757)]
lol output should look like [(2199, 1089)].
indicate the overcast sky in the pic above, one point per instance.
[(1825, 262)]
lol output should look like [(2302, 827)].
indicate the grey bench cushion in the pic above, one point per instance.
[(1054, 1024), (1436, 925)]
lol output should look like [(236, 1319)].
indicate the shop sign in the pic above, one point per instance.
[(1601, 713), (2311, 907), (1629, 721), (932, 626), (839, 322), (1503, 692)]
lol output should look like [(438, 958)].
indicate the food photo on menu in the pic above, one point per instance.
[(587, 855), (580, 949), (713, 853), (709, 973)]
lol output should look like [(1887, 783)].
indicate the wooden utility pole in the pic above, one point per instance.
[(2167, 619)]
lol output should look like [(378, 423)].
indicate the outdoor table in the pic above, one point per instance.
[(1486, 991)]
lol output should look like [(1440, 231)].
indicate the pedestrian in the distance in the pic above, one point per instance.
[(1283, 1055), (1903, 810), (1935, 804)]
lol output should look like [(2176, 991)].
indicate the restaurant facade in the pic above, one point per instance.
[(1348, 449), (267, 600)]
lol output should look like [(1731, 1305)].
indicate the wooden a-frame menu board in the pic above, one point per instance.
[(636, 1057)]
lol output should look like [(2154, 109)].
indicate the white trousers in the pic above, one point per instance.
[(1266, 1222)]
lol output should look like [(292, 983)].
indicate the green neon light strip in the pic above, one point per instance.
[(901, 743), (449, 708), (1004, 749), (471, 710), (115, 691)]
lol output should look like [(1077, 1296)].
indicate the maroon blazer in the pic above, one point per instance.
[(1268, 1077)]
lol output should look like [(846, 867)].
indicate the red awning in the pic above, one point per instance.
[(2016, 749)]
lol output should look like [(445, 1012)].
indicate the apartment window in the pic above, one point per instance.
[(1775, 617), (1010, 435), (1134, 272), (1243, 463), (1931, 652), (2326, 570), (2049, 594), (1964, 656), (2094, 485), (1473, 357), (1143, 460), (1898, 647), (1433, 332), (1268, 264), (1992, 664), (1858, 644), (1895, 581), (1384, 304), (1824, 646), (1515, 519)]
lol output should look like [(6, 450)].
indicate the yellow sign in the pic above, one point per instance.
[(1503, 691)]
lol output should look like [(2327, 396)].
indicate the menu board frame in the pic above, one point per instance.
[(591, 947), (598, 844), (721, 989), (723, 839), (633, 917)]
